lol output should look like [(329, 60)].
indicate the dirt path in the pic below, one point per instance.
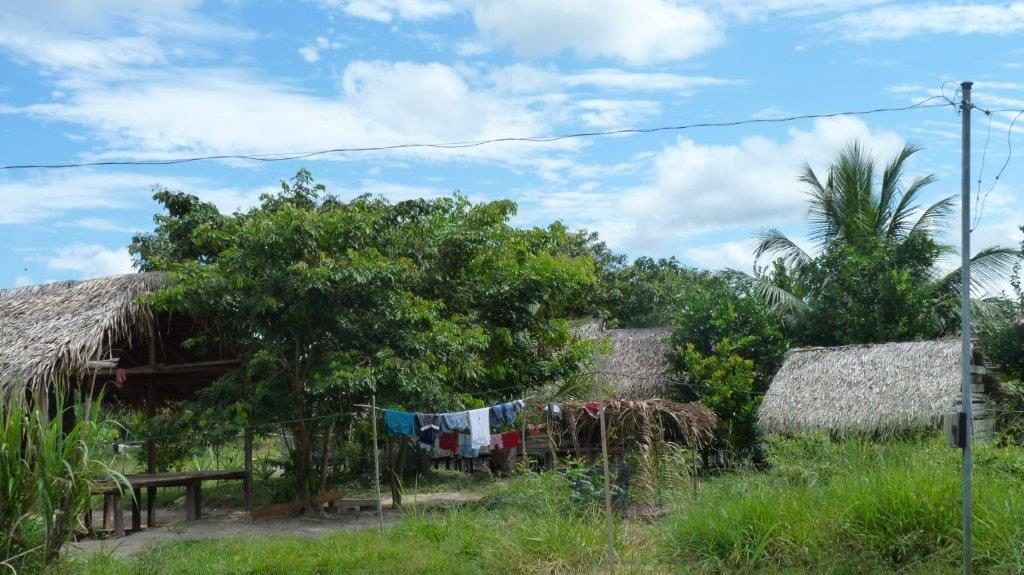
[(227, 523)]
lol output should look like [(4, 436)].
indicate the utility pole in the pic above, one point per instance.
[(967, 400)]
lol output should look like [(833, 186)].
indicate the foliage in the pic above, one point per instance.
[(898, 304), (876, 276), (328, 302), (823, 507), (726, 383), (728, 346), (46, 472)]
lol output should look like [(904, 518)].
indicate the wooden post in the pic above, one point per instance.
[(151, 446), (118, 505), (136, 510), (523, 446), (248, 469), (609, 518), (551, 439), (376, 461)]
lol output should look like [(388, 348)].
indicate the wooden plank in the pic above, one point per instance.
[(173, 479), (282, 508), (354, 503)]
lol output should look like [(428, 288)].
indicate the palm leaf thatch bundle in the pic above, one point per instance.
[(865, 388), (648, 422), (54, 330)]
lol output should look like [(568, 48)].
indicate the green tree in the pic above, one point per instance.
[(328, 302), (853, 215), (728, 346)]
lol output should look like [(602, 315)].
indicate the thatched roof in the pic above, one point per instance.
[(879, 387), (634, 365), (54, 330), (647, 421)]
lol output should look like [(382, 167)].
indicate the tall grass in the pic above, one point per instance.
[(45, 476), (852, 507)]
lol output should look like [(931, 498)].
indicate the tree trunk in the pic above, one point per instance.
[(396, 464)]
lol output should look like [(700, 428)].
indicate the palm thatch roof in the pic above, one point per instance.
[(878, 387), (634, 363), (54, 330), (647, 421)]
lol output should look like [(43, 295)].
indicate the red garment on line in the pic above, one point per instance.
[(534, 430), (449, 442), (511, 439)]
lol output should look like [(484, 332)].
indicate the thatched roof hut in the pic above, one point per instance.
[(878, 387), (73, 330), (634, 364)]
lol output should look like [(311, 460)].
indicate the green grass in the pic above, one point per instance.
[(823, 507)]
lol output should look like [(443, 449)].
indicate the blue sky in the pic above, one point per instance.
[(118, 79)]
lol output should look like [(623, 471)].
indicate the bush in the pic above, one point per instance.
[(45, 475)]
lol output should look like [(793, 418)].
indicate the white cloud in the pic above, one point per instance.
[(43, 197), (311, 52), (896, 21), (23, 281), (612, 114), (90, 260), (737, 255), (636, 31), (388, 10), (703, 188)]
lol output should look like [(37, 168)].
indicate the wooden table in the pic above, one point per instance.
[(192, 481)]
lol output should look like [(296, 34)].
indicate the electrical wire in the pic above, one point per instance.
[(1009, 156), (981, 173), (287, 156)]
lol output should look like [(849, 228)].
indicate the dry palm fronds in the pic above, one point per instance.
[(649, 422), (879, 387), (57, 329)]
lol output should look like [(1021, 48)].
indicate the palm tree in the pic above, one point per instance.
[(856, 209)]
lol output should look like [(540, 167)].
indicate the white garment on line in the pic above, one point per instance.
[(480, 427)]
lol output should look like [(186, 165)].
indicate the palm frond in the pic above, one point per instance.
[(773, 241), (932, 217), (891, 177), (989, 268), (778, 299)]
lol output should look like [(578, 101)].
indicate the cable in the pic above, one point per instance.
[(981, 173), (286, 156), (1009, 156)]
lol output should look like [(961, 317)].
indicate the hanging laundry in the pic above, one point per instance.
[(519, 405), (399, 422), (496, 440), (555, 409), (458, 421), (426, 421), (503, 414), (480, 426), (534, 430), (511, 439), (593, 408), (449, 442), (466, 448)]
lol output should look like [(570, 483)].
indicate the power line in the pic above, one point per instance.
[(1009, 156), (287, 156)]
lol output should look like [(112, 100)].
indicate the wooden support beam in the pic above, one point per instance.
[(282, 508), (170, 368), (248, 469)]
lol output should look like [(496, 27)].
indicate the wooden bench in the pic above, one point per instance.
[(192, 481)]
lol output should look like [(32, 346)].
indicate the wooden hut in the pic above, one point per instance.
[(874, 388), (83, 335), (75, 333)]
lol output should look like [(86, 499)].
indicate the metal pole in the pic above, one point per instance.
[(376, 461), (609, 518), (965, 316)]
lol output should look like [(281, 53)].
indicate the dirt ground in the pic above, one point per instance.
[(217, 523)]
